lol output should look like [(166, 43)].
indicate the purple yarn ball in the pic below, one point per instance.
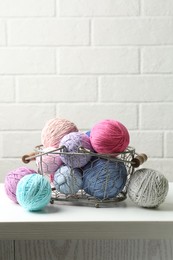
[(72, 142), (12, 179)]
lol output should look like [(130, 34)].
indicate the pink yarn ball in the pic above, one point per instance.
[(72, 143), (49, 163), (109, 136), (54, 130), (12, 179)]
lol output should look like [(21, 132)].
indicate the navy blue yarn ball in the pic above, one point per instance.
[(104, 179)]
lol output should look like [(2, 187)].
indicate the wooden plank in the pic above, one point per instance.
[(138, 249), (7, 250), (86, 230)]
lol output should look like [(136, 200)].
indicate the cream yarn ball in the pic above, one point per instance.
[(148, 188)]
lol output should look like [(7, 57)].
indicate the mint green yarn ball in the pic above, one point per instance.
[(33, 192)]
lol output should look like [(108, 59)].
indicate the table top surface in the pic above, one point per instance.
[(65, 216), (67, 212)]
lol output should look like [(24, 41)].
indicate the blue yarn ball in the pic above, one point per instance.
[(104, 179), (33, 192), (67, 180), (88, 133), (71, 143)]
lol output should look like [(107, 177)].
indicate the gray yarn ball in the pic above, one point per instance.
[(148, 188)]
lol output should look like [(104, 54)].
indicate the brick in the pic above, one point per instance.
[(86, 115), (24, 8), (1, 148), (56, 89), (10, 164), (157, 7), (148, 142), (163, 165), (25, 117), (169, 144), (2, 33), (43, 32), (98, 7), (27, 61), (7, 89), (132, 31), (156, 116), (136, 88), (98, 60), (157, 60), (20, 143)]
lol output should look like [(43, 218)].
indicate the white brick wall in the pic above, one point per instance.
[(86, 60), (132, 31), (48, 32), (27, 61), (2, 33), (97, 8), (27, 8), (157, 8), (61, 87), (157, 60), (98, 60)]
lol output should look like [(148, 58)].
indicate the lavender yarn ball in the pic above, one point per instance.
[(104, 179), (33, 192), (72, 142), (54, 130), (50, 162), (148, 188), (12, 179), (67, 180)]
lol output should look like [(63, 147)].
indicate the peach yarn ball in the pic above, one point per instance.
[(54, 130)]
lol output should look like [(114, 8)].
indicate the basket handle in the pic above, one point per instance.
[(29, 157), (139, 160), (32, 156)]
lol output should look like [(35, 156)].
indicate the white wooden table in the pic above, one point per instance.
[(63, 222)]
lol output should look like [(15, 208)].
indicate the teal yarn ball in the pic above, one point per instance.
[(33, 192)]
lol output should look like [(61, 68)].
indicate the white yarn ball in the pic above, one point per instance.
[(148, 188)]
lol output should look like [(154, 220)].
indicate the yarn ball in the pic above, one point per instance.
[(109, 136), (104, 179), (72, 142), (50, 162), (12, 178), (67, 180), (148, 188), (33, 192), (54, 130), (88, 133)]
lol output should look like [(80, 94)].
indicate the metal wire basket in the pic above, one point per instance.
[(129, 158)]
